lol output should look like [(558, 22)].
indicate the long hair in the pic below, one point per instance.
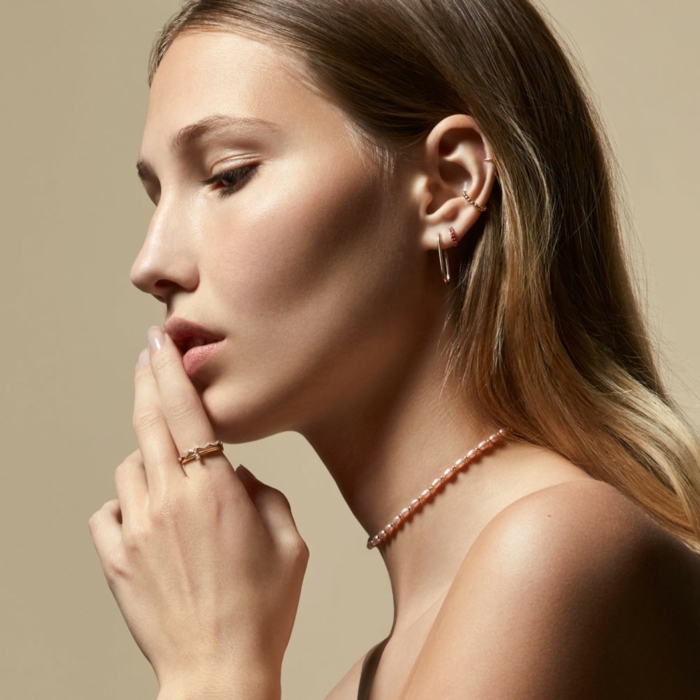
[(550, 340)]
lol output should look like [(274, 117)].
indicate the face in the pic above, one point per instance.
[(275, 236)]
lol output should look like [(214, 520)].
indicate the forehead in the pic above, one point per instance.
[(205, 73)]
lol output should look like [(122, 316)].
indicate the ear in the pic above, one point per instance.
[(455, 157)]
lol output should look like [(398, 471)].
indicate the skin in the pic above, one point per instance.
[(322, 276)]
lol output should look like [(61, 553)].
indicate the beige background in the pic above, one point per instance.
[(73, 101)]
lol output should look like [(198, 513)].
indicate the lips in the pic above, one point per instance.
[(187, 335)]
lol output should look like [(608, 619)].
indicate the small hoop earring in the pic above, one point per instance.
[(444, 263), (472, 202), (453, 235)]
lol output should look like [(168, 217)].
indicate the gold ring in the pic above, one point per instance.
[(196, 453)]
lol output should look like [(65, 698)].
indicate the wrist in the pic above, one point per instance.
[(250, 685)]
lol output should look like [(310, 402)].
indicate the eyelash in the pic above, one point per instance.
[(238, 175)]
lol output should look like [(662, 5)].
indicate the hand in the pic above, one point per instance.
[(205, 561)]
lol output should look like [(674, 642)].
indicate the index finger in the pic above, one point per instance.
[(180, 403)]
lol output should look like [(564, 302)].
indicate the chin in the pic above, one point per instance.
[(238, 416)]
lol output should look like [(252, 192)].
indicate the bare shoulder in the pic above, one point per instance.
[(571, 592), (573, 526)]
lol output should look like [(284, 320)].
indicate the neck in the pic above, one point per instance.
[(384, 453)]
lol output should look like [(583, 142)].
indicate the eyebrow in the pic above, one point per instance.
[(192, 133)]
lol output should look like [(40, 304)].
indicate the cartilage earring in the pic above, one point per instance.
[(444, 263), (472, 202), (453, 235)]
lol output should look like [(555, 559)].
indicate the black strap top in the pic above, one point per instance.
[(369, 669)]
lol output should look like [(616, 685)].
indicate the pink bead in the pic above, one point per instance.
[(416, 502)]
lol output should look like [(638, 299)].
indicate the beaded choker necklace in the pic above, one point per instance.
[(417, 503)]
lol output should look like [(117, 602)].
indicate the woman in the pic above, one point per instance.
[(392, 227)]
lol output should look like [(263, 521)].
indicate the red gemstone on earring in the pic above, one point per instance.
[(454, 236)]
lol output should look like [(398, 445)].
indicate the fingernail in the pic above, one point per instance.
[(156, 339), (144, 358)]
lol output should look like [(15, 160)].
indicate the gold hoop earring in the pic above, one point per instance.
[(472, 202), (444, 263)]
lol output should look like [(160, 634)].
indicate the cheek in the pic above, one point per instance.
[(306, 282), (308, 247)]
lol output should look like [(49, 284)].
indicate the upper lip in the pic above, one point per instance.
[(186, 334)]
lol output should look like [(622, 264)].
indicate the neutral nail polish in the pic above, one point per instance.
[(144, 358), (156, 339)]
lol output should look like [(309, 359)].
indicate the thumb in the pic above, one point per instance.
[(250, 483), (272, 506)]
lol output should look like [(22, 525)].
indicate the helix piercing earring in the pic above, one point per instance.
[(454, 236), (472, 202), (444, 264)]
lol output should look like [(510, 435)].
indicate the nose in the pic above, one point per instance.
[(167, 261)]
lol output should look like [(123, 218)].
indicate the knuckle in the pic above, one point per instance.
[(112, 506), (135, 537), (94, 521), (278, 498), (296, 549), (116, 566), (123, 471)]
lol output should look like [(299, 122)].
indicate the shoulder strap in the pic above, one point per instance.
[(369, 669)]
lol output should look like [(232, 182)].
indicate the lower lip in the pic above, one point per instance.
[(194, 358)]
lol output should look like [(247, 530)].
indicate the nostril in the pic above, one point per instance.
[(162, 296)]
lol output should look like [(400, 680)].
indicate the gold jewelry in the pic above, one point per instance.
[(444, 263), (196, 453), (472, 202), (417, 503)]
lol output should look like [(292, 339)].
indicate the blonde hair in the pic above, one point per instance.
[(550, 341)]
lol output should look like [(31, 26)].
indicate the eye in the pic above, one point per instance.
[(232, 179)]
